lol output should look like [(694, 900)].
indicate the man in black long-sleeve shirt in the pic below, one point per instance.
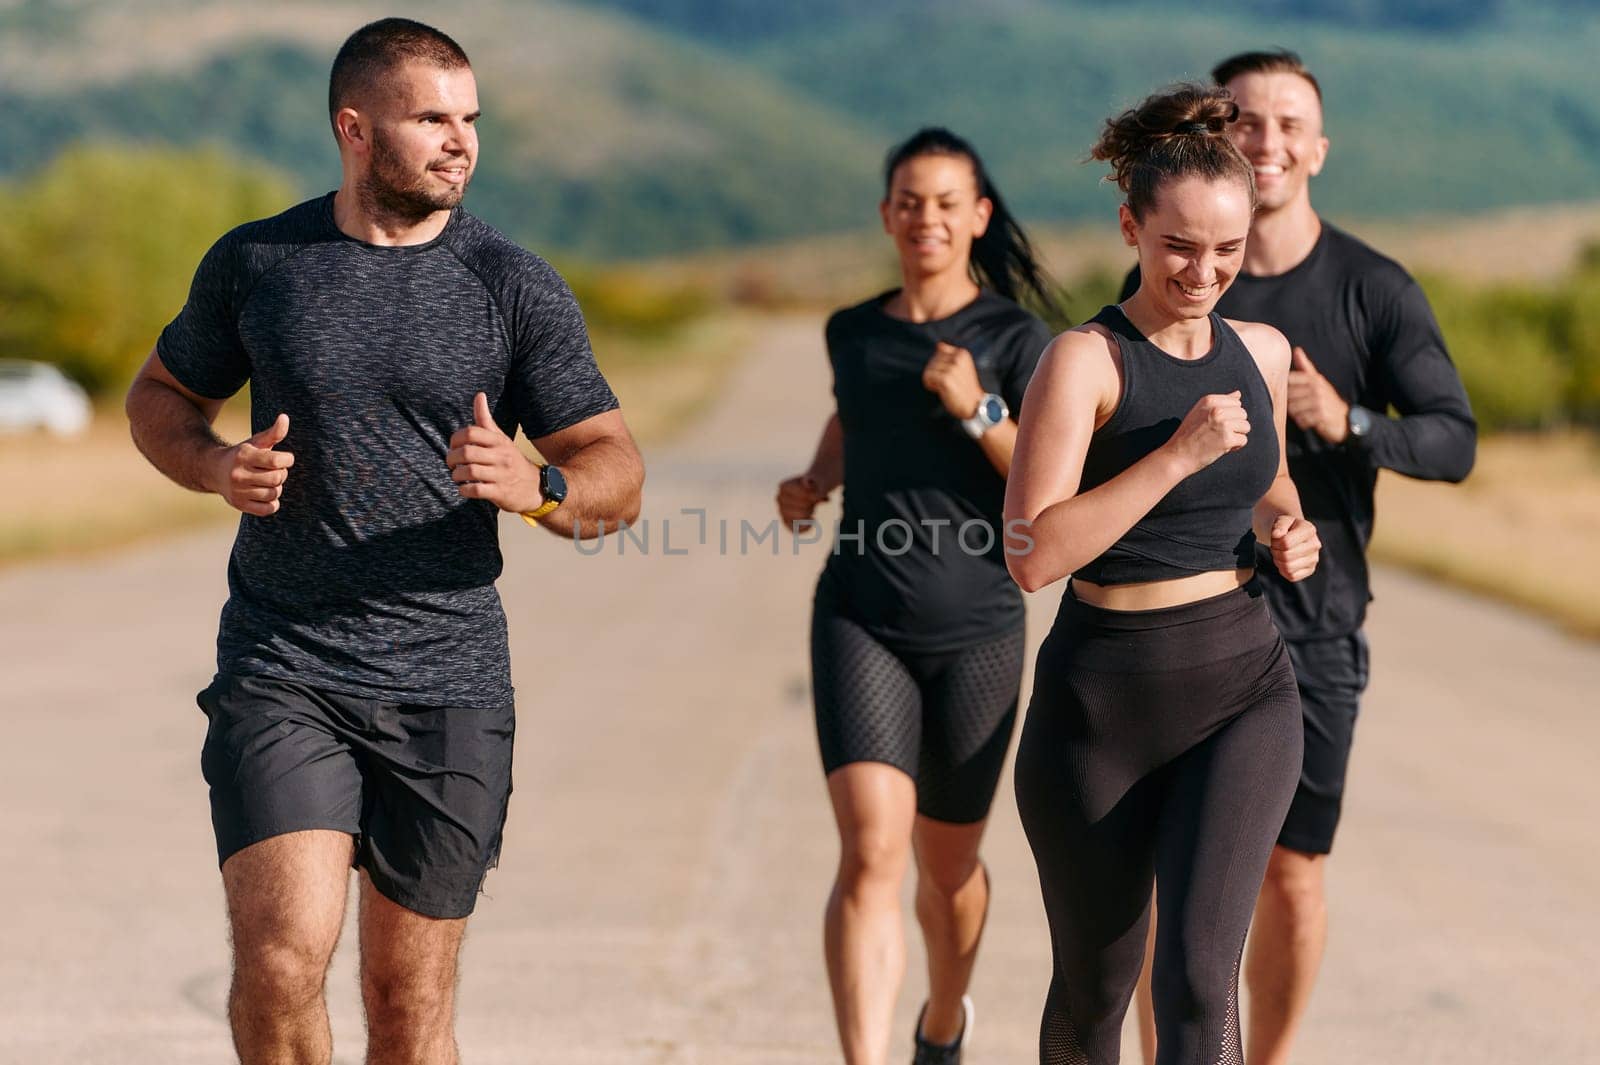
[(1364, 341)]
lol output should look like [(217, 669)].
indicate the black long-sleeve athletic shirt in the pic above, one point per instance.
[(1367, 327)]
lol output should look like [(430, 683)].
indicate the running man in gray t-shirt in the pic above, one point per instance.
[(362, 708)]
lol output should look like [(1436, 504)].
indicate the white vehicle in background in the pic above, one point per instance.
[(36, 395)]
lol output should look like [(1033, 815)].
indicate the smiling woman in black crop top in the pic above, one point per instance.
[(916, 630), (1162, 741)]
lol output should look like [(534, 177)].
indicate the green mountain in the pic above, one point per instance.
[(748, 20), (601, 137), (629, 128), (1419, 121)]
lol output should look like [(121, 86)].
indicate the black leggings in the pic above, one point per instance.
[(944, 717), (1159, 744)]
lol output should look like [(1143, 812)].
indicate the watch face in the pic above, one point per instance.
[(552, 484), (994, 411)]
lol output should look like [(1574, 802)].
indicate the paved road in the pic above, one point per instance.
[(669, 845)]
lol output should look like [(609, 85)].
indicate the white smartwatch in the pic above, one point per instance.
[(992, 410)]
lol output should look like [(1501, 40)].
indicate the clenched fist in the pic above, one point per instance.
[(1295, 547), (485, 464), (798, 498), (1314, 404), (1214, 426), (250, 475), (953, 375)]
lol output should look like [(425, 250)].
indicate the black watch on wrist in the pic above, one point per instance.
[(1359, 421), (553, 484), (553, 488)]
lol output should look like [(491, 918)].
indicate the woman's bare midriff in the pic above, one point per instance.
[(1154, 595)]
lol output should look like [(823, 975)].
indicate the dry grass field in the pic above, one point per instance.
[(1519, 243), (1523, 528), (87, 493)]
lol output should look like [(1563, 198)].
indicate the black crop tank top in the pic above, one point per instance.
[(1203, 524)]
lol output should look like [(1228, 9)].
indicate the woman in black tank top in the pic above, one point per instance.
[(1162, 742), (916, 637)]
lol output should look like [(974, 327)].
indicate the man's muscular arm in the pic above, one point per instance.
[(604, 471), (171, 426), (602, 466)]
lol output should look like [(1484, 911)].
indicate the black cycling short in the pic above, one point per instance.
[(943, 717), (423, 789), (1331, 675)]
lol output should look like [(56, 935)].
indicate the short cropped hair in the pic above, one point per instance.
[(378, 49), (1281, 61)]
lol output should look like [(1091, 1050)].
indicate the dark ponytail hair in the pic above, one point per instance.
[(1003, 259), (1173, 134)]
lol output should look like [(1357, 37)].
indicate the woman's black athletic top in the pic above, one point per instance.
[(1203, 524), (919, 560)]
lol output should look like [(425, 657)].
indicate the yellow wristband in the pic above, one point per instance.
[(532, 516)]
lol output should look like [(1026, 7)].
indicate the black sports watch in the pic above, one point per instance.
[(1359, 421), (553, 487), (553, 484)]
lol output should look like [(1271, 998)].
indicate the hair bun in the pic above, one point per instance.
[(1211, 117), (1182, 111), (1175, 132)]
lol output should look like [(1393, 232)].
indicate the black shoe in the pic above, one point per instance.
[(943, 1053)]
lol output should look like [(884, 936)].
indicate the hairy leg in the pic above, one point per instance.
[(1287, 940), (286, 900), (408, 982)]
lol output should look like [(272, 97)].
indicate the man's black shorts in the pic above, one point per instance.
[(1331, 674), (423, 789)]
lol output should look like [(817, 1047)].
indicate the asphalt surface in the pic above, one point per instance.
[(669, 844)]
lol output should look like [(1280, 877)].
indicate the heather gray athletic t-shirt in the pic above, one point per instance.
[(375, 578)]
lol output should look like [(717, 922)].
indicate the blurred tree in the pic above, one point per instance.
[(1582, 338), (97, 250), (1521, 349)]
